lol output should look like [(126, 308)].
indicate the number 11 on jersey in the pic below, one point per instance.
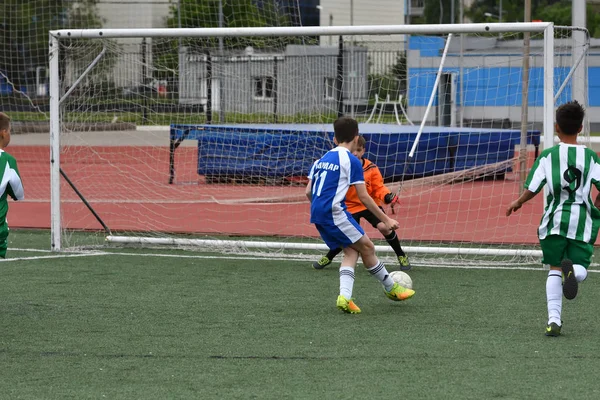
[(319, 180)]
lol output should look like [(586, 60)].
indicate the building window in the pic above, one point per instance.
[(264, 87), (329, 89)]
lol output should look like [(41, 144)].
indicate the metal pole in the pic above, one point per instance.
[(352, 73), (275, 89), (54, 90), (500, 16), (144, 81), (548, 93), (179, 21), (221, 65), (425, 29), (461, 73), (339, 77), (548, 88), (525, 100), (436, 85), (330, 24), (578, 18), (209, 93)]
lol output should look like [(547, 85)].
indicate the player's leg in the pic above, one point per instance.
[(580, 254), (3, 240), (327, 259), (332, 253), (390, 237), (553, 250), (337, 234), (344, 300), (377, 269)]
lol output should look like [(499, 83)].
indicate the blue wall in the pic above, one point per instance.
[(490, 86)]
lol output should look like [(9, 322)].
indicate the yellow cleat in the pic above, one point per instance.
[(399, 293), (347, 306)]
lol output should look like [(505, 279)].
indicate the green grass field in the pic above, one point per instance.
[(159, 324)]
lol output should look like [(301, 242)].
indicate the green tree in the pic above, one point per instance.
[(557, 11), (440, 11), (205, 14), (24, 31), (391, 83)]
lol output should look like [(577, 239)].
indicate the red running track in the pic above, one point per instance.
[(128, 187)]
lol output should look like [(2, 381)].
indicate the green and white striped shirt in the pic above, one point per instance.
[(10, 185), (570, 171)]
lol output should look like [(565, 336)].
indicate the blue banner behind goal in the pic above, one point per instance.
[(286, 151)]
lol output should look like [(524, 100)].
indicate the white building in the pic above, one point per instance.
[(134, 13), (119, 14), (364, 12)]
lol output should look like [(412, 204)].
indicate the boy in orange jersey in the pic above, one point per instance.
[(381, 194)]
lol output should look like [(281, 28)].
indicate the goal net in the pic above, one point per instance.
[(203, 137)]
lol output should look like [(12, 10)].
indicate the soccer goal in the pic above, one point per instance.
[(203, 137)]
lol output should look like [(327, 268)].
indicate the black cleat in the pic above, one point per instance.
[(322, 263), (553, 329), (570, 284)]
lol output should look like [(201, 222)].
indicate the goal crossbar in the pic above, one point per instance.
[(303, 31)]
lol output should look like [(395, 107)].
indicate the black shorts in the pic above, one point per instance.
[(368, 215)]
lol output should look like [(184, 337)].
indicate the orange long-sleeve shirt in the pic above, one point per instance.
[(375, 187)]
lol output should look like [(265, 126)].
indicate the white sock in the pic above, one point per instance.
[(346, 281), (580, 272), (554, 296), (380, 273)]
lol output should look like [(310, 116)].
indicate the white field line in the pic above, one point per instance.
[(254, 258), (54, 256), (30, 250)]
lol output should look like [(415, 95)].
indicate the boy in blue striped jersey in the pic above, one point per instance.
[(329, 181)]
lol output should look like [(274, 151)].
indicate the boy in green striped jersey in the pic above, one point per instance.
[(570, 222), (10, 184)]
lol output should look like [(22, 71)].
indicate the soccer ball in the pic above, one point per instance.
[(402, 279)]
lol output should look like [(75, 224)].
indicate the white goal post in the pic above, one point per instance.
[(59, 94)]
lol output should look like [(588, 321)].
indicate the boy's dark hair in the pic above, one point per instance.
[(361, 142), (345, 129), (569, 117), (4, 121)]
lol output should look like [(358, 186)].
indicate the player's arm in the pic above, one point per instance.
[(534, 183), (15, 185), (378, 190), (308, 190), (515, 205), (364, 197), (595, 176)]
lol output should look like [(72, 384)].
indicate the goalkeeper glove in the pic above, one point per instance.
[(390, 198)]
